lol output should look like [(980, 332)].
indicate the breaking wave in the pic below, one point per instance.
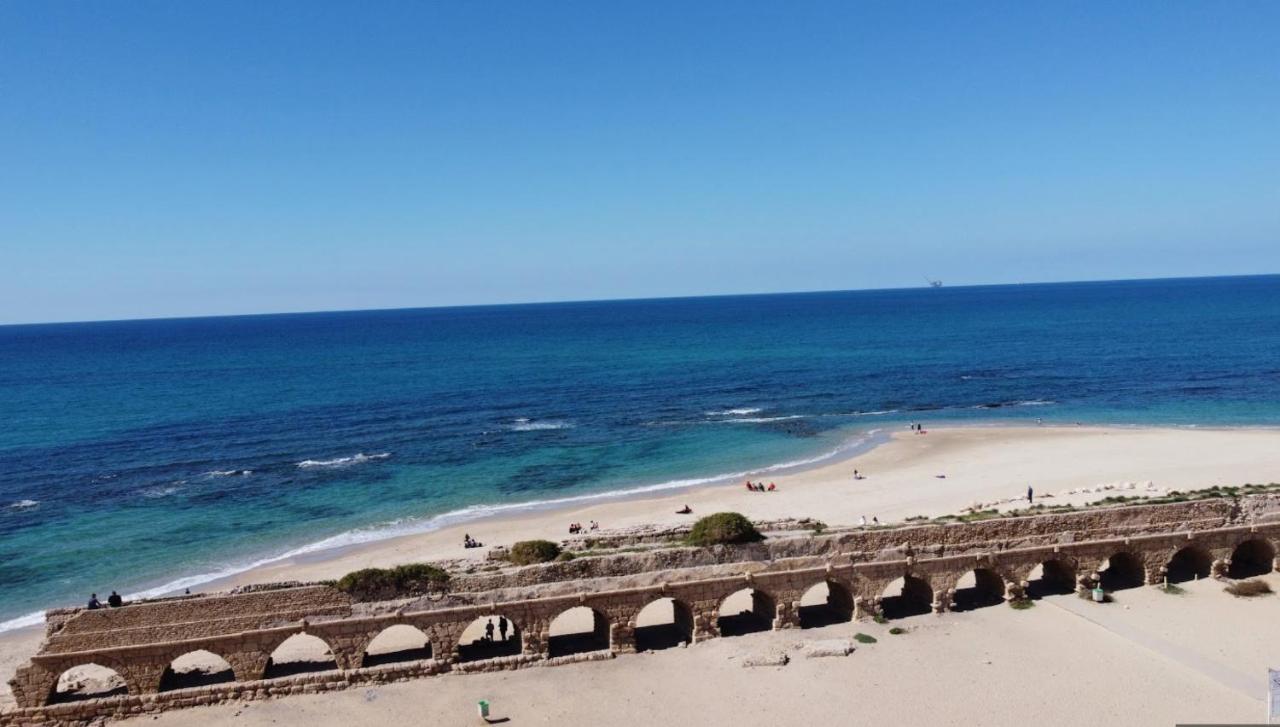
[(735, 412), (526, 425), (23, 504), (359, 458), (229, 473)]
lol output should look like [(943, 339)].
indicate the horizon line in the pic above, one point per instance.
[(576, 301)]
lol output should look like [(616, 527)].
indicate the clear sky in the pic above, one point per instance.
[(181, 158)]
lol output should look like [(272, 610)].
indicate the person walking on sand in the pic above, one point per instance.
[(1030, 494), (502, 627), (488, 631)]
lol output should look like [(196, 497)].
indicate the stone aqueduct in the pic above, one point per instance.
[(999, 560)]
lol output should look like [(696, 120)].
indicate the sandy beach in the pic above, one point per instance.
[(981, 465), (1054, 652)]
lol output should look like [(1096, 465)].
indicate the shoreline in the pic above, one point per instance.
[(984, 466), (354, 543)]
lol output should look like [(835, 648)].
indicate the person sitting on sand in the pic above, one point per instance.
[(750, 486), (772, 487), (684, 510), (94, 603), (875, 520), (114, 600), (862, 521)]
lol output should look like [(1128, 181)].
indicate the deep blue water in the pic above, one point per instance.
[(134, 453)]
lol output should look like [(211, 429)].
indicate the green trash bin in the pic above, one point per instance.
[(483, 706)]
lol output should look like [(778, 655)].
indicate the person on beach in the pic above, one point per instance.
[(684, 510), (749, 487), (488, 631), (1030, 494), (875, 520), (94, 603), (114, 600), (772, 487), (502, 627), (862, 521)]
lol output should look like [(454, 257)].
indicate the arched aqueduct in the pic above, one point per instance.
[(810, 580)]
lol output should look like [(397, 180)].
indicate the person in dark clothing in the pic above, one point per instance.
[(114, 600), (502, 627), (94, 602), (488, 631), (1030, 495)]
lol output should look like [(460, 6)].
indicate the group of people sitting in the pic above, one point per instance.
[(575, 528), (114, 601), (469, 542), (760, 487)]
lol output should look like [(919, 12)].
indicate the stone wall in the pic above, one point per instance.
[(141, 641)]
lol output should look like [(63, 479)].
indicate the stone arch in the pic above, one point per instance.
[(577, 630), (827, 602), (301, 653), (88, 680), (746, 611), (906, 596), (1122, 570), (478, 642), (397, 643), (1252, 557), (1189, 563), (978, 588), (664, 623), (198, 668), (1053, 577)]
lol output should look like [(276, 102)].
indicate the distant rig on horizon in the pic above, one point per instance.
[(933, 283)]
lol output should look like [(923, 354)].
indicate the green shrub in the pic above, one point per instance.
[(566, 556), (413, 579), (723, 528), (1173, 589), (897, 631), (862, 638), (526, 552), (1248, 589), (1022, 604), (879, 619)]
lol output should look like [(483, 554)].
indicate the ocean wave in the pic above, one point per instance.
[(161, 491), (735, 412), (874, 413), (229, 473), (759, 420), (359, 458), (23, 504), (414, 526), (526, 425), (1020, 402)]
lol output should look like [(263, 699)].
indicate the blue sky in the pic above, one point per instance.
[(165, 159)]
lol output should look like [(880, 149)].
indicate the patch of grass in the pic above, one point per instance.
[(723, 528), (566, 556), (1249, 589), (880, 619), (862, 638), (817, 526), (897, 631), (526, 552), (916, 518), (1022, 604), (1173, 589), (403, 580)]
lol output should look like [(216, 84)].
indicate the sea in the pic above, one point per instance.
[(150, 456)]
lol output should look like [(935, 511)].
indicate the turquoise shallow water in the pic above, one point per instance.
[(143, 455)]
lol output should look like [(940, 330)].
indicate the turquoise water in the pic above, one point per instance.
[(147, 455)]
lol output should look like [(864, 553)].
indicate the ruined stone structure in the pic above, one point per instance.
[(940, 568)]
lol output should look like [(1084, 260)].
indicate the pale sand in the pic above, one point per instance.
[(1147, 659), (981, 464)]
